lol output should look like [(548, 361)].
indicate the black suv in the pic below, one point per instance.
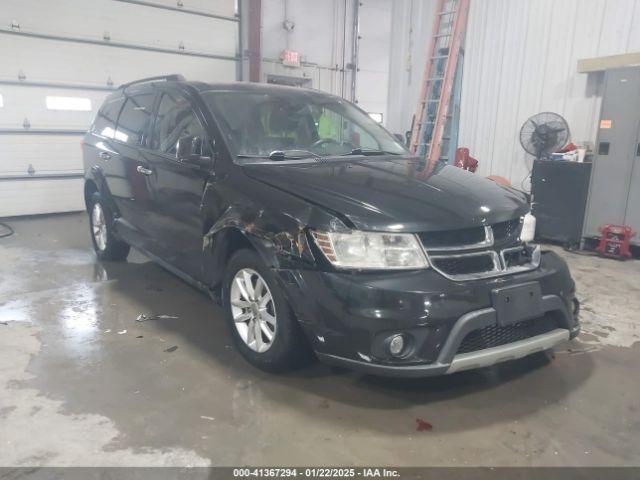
[(318, 231)]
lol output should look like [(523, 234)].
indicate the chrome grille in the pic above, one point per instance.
[(480, 252), (451, 238), (505, 231), (466, 264)]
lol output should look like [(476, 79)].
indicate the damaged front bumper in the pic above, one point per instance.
[(350, 317)]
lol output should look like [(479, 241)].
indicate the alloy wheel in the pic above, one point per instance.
[(99, 226), (253, 310)]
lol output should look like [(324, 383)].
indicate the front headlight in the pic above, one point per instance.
[(371, 250)]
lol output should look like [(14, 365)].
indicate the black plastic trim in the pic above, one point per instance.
[(465, 324)]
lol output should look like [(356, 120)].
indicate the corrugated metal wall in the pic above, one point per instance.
[(520, 59)]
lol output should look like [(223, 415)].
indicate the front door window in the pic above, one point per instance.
[(176, 119)]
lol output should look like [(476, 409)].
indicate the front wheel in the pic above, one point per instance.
[(261, 321), (105, 244)]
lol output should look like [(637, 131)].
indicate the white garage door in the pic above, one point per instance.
[(59, 59)]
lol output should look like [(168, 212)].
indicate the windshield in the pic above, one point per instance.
[(297, 126)]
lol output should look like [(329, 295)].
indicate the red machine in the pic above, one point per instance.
[(615, 241), (465, 161)]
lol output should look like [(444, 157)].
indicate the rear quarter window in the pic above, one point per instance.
[(105, 122), (135, 118)]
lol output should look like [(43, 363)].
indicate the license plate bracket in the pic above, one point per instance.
[(517, 303)]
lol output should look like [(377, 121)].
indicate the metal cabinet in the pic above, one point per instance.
[(614, 192), (559, 190)]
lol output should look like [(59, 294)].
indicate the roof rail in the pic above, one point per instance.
[(167, 78)]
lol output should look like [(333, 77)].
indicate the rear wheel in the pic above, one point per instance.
[(105, 244), (261, 321)]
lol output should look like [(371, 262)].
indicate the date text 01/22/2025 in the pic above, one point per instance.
[(316, 472)]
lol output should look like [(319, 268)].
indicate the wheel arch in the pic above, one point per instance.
[(90, 187), (278, 239), (221, 243), (95, 182)]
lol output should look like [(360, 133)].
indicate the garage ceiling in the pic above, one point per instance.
[(80, 51)]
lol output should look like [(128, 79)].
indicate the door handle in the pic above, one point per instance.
[(144, 171), (104, 155)]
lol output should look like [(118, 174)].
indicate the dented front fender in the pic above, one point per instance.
[(279, 233)]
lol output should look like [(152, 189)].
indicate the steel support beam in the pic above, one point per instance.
[(254, 48), (240, 53), (355, 45)]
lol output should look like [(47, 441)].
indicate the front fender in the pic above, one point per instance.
[(279, 239)]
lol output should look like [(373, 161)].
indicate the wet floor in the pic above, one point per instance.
[(82, 382)]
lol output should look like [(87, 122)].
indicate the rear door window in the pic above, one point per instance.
[(105, 122), (135, 118), (176, 119)]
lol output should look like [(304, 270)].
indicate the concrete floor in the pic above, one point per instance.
[(83, 383)]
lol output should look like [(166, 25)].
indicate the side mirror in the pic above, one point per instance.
[(399, 137), (189, 150)]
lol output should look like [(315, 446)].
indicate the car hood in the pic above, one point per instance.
[(391, 194)]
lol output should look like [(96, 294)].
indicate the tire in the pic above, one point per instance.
[(287, 349), (105, 244)]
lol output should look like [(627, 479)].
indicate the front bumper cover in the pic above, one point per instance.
[(450, 362), (346, 316)]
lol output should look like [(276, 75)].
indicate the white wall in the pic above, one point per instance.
[(323, 34), (520, 59), (411, 25), (374, 50)]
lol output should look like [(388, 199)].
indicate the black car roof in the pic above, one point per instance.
[(256, 88), (230, 86), (247, 86)]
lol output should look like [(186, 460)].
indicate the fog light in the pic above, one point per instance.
[(396, 345)]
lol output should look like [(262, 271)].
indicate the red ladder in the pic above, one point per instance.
[(429, 124)]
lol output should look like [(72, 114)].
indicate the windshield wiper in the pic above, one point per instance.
[(298, 154), (292, 154), (279, 155), (365, 152)]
